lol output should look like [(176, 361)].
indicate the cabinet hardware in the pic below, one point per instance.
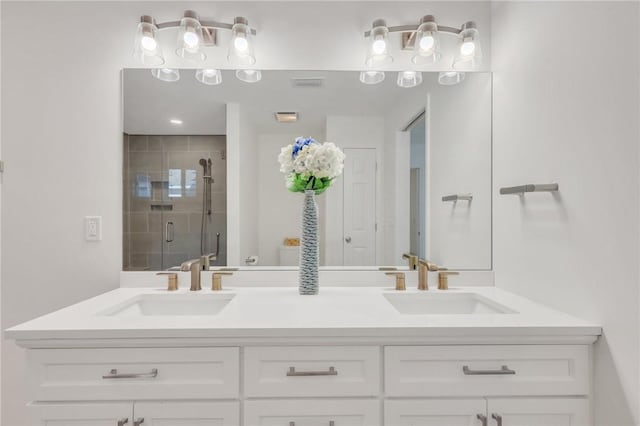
[(123, 422), (458, 197), (331, 372), (113, 374), (503, 371), (545, 187), (497, 418), (331, 423), (168, 232), (138, 421), (482, 418)]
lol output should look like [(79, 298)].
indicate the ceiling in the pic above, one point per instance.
[(150, 104)]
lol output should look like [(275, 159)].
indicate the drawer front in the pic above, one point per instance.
[(309, 412), (312, 371), (486, 370), (134, 374)]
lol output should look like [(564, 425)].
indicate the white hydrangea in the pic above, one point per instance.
[(324, 161), (286, 159)]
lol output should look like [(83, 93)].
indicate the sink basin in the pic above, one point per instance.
[(445, 303), (171, 304)]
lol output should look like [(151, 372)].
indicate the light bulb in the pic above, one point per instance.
[(241, 44), (149, 43), (379, 46), (427, 42), (210, 73), (191, 39), (467, 48)]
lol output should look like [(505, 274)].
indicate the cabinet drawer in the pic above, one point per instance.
[(310, 412), (134, 374), (486, 370), (312, 371)]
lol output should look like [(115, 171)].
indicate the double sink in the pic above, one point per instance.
[(450, 302)]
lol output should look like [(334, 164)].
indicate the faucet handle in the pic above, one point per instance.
[(413, 260), (443, 279), (216, 280), (172, 280), (400, 282)]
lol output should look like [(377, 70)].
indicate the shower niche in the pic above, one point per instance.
[(174, 200)]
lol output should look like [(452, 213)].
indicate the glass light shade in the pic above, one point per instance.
[(371, 77), (249, 76), (147, 49), (209, 76), (426, 49), (449, 78), (468, 51), (166, 74), (190, 38), (241, 47), (409, 78), (378, 51)]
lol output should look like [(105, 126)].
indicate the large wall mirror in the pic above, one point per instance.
[(201, 171)]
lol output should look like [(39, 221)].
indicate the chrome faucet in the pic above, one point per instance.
[(194, 266)]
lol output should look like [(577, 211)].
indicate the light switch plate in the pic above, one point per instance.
[(93, 228)]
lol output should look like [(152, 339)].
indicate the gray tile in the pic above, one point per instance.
[(155, 143), (175, 143), (139, 222), (201, 143), (137, 143), (145, 161)]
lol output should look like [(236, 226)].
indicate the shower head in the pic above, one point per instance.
[(203, 162)]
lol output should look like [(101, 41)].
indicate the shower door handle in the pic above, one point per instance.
[(168, 231)]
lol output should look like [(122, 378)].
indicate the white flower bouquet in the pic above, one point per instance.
[(310, 165)]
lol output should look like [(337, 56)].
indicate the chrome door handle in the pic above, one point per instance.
[(113, 374), (504, 370), (497, 418), (138, 421), (331, 423), (482, 418), (330, 372), (123, 422), (347, 240), (168, 231)]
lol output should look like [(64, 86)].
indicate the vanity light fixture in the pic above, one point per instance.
[(240, 48), (371, 77), (249, 76), (424, 41), (209, 76), (409, 78), (378, 53), (166, 74), (449, 78), (146, 49), (194, 34)]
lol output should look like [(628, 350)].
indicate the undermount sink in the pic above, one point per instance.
[(171, 304), (445, 303)]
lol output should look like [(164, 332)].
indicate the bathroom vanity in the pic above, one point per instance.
[(353, 355)]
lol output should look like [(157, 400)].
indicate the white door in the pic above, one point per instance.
[(82, 414), (359, 220), (538, 412), (436, 412), (187, 413)]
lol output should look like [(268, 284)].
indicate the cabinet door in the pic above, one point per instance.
[(312, 412), (81, 414), (449, 412), (538, 411), (187, 413)]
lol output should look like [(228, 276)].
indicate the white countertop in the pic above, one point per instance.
[(338, 314)]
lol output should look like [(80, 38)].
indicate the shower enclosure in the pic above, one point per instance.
[(174, 200)]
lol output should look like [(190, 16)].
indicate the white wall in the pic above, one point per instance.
[(62, 124), (459, 141), (567, 111)]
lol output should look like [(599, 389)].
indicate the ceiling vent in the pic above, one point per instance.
[(308, 82), (286, 117)]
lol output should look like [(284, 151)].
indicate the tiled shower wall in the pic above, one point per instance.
[(163, 181)]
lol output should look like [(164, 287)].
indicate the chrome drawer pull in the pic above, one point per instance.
[(331, 423), (113, 374), (123, 422), (503, 371), (497, 418), (331, 372), (482, 418)]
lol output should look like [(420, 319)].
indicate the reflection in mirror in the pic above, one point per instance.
[(201, 174)]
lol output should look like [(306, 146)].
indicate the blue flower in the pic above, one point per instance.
[(300, 143)]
